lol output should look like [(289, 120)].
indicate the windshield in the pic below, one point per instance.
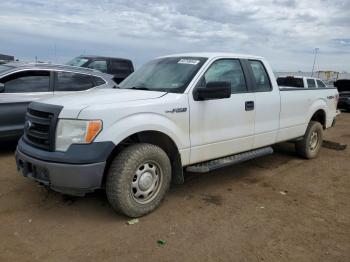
[(4, 68), (78, 61), (169, 74)]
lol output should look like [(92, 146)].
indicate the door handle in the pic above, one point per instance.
[(249, 105)]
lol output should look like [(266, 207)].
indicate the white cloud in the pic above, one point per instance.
[(284, 31)]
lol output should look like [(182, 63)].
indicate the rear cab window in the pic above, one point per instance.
[(290, 81), (261, 80)]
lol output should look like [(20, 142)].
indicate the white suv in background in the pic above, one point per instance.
[(300, 82)]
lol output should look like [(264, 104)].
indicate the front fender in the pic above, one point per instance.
[(132, 124)]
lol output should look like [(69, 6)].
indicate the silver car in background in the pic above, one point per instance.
[(22, 83)]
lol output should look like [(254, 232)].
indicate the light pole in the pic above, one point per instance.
[(313, 67)]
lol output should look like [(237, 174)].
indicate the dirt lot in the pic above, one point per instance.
[(276, 208)]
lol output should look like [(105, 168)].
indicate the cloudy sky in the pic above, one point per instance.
[(284, 31)]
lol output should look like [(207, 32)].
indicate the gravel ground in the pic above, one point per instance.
[(276, 208)]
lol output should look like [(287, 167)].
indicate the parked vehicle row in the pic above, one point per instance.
[(300, 82), (343, 86), (118, 67), (21, 84), (198, 111)]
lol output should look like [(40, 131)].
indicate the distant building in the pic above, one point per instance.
[(7, 57), (328, 76)]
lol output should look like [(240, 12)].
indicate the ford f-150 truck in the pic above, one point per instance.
[(196, 112)]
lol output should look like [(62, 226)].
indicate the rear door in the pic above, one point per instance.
[(267, 103), (222, 127), (20, 89)]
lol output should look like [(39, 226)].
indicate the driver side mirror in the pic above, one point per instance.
[(2, 87), (213, 90)]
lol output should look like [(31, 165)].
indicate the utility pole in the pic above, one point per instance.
[(55, 53), (313, 67)]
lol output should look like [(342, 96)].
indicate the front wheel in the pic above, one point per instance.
[(311, 143), (138, 179)]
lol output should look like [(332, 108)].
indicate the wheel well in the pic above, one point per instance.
[(155, 138), (319, 116)]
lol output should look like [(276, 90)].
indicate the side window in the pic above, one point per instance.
[(27, 81), (261, 78), (311, 83), (67, 81), (320, 84), (227, 70), (100, 65), (98, 81), (120, 67)]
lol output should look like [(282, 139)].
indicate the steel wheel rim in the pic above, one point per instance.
[(146, 182), (314, 140)]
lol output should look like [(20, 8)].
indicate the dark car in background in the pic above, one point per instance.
[(343, 86), (21, 84), (120, 68)]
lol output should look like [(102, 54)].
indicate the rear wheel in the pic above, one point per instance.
[(138, 179), (311, 143)]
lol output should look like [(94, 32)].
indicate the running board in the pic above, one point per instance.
[(229, 160)]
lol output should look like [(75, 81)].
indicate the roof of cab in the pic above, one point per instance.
[(15, 66), (50, 66), (36, 66), (104, 57), (215, 55)]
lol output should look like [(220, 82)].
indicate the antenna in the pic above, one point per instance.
[(313, 66)]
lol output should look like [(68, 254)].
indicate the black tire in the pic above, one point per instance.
[(130, 174), (306, 147)]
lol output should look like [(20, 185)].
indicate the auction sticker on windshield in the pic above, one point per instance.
[(188, 61)]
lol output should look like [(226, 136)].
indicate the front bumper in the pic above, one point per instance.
[(68, 178)]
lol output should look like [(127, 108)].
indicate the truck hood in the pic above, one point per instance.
[(74, 103)]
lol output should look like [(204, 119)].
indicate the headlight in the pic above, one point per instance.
[(70, 132)]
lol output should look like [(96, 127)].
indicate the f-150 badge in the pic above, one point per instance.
[(177, 110)]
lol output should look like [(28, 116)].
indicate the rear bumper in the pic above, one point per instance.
[(61, 175)]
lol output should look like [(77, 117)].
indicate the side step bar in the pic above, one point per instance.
[(229, 160)]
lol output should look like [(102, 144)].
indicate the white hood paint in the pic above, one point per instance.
[(74, 103)]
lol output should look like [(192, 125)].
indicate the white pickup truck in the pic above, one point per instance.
[(198, 111)]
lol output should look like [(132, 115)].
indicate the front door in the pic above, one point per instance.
[(222, 127), (21, 88)]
